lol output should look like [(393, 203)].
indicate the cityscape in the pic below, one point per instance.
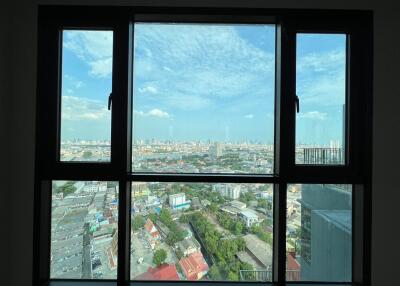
[(204, 102), (199, 231)]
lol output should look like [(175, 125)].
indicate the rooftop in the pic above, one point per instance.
[(163, 272), (193, 265)]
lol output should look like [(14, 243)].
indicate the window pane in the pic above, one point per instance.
[(201, 231), (321, 88), (203, 98), (84, 223), (86, 85), (319, 233)]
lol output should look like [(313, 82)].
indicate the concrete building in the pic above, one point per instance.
[(237, 204), (326, 233), (178, 201), (231, 191), (249, 217), (140, 189), (216, 150), (188, 246)]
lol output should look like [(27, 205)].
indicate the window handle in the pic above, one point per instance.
[(109, 101), (297, 103)]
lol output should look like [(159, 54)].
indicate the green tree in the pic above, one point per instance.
[(67, 188), (241, 244), (137, 222), (213, 207), (214, 273), (232, 276), (246, 266), (87, 154), (238, 228), (179, 253), (159, 257), (153, 217), (165, 216), (184, 219)]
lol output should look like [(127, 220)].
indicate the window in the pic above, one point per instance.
[(229, 145), (321, 89), (203, 98), (84, 226), (85, 86)]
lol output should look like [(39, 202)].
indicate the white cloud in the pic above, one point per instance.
[(79, 84), (154, 113), (322, 61), (73, 82), (158, 113), (79, 108), (314, 115), (101, 67), (321, 78), (167, 69), (92, 47), (193, 66), (249, 116), (149, 89)]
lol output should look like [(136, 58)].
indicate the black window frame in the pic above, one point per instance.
[(357, 170)]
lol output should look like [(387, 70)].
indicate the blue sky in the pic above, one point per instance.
[(200, 82)]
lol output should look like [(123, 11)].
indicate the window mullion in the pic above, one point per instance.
[(120, 142), (284, 138), (279, 242), (123, 232)]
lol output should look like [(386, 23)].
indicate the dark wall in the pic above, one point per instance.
[(17, 114), (5, 93)]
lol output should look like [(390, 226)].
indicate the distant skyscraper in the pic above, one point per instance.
[(216, 150)]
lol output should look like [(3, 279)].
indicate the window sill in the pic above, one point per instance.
[(182, 283)]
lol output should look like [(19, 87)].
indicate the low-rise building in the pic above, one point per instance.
[(151, 229), (188, 246), (194, 266), (163, 272), (140, 189), (237, 204), (178, 201), (249, 217), (196, 203)]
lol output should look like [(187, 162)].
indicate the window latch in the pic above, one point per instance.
[(109, 101), (297, 103)]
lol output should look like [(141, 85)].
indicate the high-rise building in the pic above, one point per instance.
[(326, 233), (227, 190), (216, 150), (140, 189)]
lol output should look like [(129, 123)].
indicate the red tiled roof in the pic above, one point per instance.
[(150, 227), (292, 263), (293, 268), (193, 265), (163, 272)]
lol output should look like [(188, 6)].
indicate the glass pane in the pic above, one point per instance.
[(86, 85), (203, 98), (201, 231), (84, 224), (319, 233), (321, 88)]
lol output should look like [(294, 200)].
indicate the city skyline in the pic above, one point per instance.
[(202, 82)]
